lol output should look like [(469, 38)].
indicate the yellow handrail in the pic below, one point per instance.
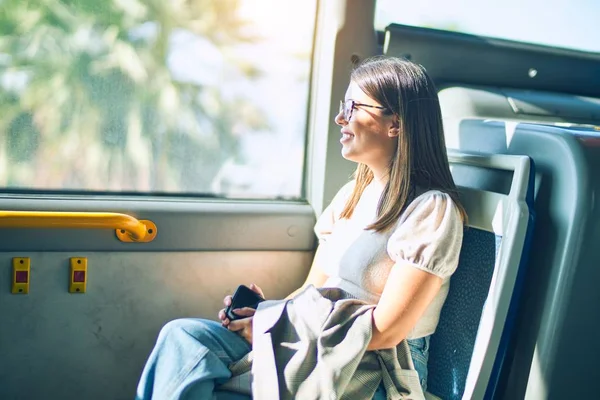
[(128, 228)]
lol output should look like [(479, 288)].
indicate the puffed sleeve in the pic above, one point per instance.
[(429, 235), (329, 217)]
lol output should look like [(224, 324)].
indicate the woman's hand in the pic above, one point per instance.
[(222, 316), (242, 326)]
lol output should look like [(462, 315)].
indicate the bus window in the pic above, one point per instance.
[(147, 97)]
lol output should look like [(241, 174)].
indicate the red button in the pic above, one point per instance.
[(78, 276), (21, 276)]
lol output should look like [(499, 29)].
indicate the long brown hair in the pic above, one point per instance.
[(405, 89)]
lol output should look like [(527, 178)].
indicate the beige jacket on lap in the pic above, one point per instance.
[(314, 347)]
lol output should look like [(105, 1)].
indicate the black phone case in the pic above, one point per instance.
[(243, 297)]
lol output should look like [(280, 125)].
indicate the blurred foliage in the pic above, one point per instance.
[(88, 100)]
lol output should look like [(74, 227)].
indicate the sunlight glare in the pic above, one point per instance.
[(291, 32)]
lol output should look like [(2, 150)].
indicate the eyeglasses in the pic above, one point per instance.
[(346, 107)]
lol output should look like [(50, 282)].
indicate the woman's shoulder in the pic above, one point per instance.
[(429, 235), (342, 195), (431, 203), (432, 196), (347, 189), (330, 216)]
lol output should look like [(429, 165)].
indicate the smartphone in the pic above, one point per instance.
[(243, 297)]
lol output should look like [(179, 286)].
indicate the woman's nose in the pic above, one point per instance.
[(339, 119)]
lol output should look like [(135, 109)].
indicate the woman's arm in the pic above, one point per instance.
[(407, 294), (426, 248), (316, 276)]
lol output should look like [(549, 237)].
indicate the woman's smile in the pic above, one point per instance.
[(346, 136)]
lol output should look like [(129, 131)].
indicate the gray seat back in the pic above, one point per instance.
[(470, 342)]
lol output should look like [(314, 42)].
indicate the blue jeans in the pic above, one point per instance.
[(191, 357), (419, 351)]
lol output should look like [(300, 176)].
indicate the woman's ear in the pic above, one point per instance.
[(394, 130)]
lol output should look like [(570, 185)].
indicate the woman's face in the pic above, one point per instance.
[(370, 136)]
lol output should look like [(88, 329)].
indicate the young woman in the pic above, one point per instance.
[(390, 237)]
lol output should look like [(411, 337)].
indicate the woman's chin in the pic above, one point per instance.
[(348, 154)]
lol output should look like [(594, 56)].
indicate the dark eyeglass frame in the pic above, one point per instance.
[(347, 111)]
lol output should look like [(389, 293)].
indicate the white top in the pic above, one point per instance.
[(427, 236)]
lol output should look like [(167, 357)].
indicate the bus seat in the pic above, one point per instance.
[(561, 303), (452, 345), (470, 343)]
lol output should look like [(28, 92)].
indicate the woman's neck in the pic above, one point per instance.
[(380, 178)]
